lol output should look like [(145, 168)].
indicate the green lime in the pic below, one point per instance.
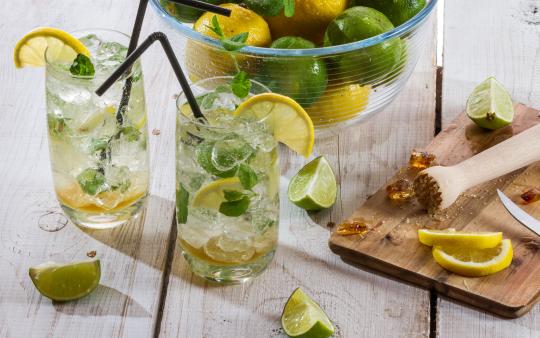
[(66, 282), (303, 318), (314, 187), (302, 79), (186, 13), (265, 7), (371, 64), (398, 11), (490, 106)]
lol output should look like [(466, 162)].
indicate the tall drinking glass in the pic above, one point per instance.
[(227, 185), (99, 158)]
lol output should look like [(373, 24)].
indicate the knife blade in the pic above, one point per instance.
[(521, 216)]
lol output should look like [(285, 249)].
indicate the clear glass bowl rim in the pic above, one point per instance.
[(406, 27)]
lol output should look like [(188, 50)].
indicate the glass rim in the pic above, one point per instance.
[(398, 31), (51, 66), (198, 122)]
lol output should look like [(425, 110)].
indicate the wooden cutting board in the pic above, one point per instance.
[(392, 247)]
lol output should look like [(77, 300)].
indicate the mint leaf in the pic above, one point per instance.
[(82, 66), (240, 84), (182, 199), (235, 43), (57, 125), (92, 181), (131, 134), (234, 208), (247, 176), (288, 8), (216, 28), (98, 144), (232, 195), (123, 186)]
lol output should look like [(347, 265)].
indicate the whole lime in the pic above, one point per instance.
[(303, 79), (265, 7), (398, 11), (186, 13), (368, 65)]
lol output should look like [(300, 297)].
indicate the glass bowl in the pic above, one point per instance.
[(338, 86)]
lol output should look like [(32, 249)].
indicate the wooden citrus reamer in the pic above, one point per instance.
[(438, 187)]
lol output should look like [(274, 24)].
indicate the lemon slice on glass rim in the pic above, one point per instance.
[(30, 50), (291, 124)]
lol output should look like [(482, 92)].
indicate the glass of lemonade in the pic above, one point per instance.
[(227, 185), (99, 158)]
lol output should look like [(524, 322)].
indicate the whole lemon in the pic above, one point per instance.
[(204, 61), (309, 20), (339, 103)]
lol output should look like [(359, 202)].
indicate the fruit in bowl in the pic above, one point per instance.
[(342, 60)]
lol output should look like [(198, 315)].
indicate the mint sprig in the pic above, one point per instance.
[(236, 203), (247, 176), (232, 43), (92, 181), (240, 84), (82, 66), (182, 199)]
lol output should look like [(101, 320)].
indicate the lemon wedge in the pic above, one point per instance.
[(291, 124), (211, 195), (474, 262), (451, 237), (30, 50)]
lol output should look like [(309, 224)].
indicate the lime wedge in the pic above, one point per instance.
[(490, 105), (302, 317), (314, 187), (66, 282)]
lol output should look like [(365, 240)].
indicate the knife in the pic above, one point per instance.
[(521, 216)]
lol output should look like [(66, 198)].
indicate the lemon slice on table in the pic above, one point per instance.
[(474, 262), (30, 50), (302, 317), (211, 195), (451, 237), (66, 282), (290, 122)]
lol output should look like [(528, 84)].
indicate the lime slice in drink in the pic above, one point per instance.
[(490, 105), (314, 187), (66, 282), (302, 317)]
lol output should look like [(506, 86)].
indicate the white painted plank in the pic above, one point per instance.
[(361, 304), (483, 38), (133, 257)]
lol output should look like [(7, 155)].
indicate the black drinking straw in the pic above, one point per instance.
[(204, 6), (162, 38)]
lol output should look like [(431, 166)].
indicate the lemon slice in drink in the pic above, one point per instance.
[(66, 282), (490, 105), (314, 187), (291, 124), (474, 262), (211, 195), (30, 50), (451, 237), (302, 317)]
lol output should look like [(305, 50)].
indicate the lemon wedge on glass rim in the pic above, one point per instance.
[(291, 124), (30, 50)]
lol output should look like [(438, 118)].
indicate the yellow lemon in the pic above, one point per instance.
[(204, 61), (339, 103), (310, 19), (451, 237), (30, 50)]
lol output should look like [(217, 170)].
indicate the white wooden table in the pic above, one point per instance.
[(146, 288)]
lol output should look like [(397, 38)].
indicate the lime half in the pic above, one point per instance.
[(490, 105), (302, 317), (314, 187), (66, 282)]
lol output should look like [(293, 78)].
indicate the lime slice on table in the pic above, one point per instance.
[(314, 187), (63, 282), (30, 50), (302, 317), (490, 106)]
